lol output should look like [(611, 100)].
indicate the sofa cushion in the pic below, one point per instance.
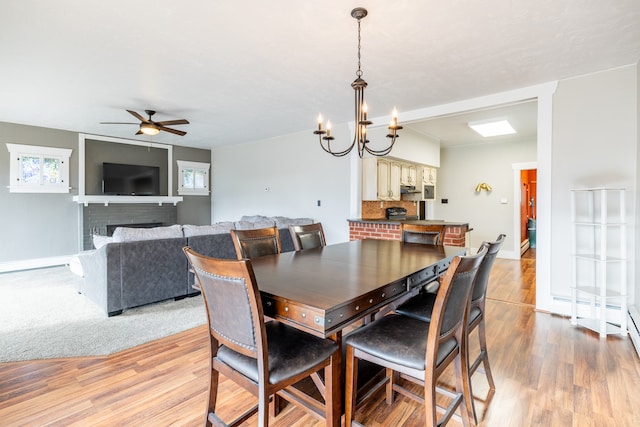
[(203, 230), (127, 234), (254, 218), (284, 222), (249, 225)]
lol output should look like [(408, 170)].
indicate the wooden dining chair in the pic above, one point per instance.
[(265, 358), (412, 348), (421, 307), (425, 234), (307, 236), (256, 242)]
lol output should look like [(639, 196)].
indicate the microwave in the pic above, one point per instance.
[(429, 192)]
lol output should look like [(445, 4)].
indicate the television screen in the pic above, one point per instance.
[(130, 180)]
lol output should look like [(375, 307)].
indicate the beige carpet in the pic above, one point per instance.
[(43, 317)]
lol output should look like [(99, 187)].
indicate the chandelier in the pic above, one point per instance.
[(361, 110)]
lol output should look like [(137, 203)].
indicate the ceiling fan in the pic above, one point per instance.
[(149, 127)]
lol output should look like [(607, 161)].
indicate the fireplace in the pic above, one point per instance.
[(111, 227), (103, 220)]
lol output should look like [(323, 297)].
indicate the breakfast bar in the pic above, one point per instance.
[(389, 229)]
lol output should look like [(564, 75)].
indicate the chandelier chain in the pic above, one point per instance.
[(359, 72)]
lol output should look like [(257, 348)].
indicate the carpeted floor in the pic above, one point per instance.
[(43, 317)]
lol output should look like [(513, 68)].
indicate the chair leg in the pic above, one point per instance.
[(393, 379), (213, 395), (485, 356), (351, 386), (263, 406), (462, 386), (430, 408)]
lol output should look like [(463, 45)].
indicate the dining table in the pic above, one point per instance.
[(325, 290)]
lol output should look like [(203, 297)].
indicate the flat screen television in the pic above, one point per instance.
[(130, 180)]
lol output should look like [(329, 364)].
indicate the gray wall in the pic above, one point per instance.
[(37, 225), (98, 152), (193, 209), (47, 226)]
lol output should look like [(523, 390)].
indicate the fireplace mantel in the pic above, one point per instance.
[(106, 200)]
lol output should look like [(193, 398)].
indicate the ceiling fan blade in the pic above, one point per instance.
[(174, 131), (139, 132), (173, 122), (118, 123), (138, 116)]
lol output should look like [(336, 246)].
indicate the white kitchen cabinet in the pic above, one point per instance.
[(428, 175), (409, 174), (599, 264), (389, 174), (380, 179)]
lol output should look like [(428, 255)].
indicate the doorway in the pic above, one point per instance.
[(528, 205)]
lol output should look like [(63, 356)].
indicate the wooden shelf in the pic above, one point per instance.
[(106, 200)]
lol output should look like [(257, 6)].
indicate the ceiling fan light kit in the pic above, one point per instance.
[(361, 111), (150, 127)]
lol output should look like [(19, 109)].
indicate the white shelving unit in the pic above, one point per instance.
[(599, 261)]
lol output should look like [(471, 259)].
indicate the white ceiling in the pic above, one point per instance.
[(245, 70)]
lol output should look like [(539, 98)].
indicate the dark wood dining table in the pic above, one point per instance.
[(325, 290)]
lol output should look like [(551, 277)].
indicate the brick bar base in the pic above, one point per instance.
[(453, 235)]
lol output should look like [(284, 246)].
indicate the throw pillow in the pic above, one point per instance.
[(201, 230), (99, 241), (127, 234)]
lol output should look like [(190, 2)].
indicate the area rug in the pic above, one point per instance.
[(42, 316)]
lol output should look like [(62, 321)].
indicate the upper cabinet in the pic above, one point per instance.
[(409, 174), (380, 179), (428, 175)]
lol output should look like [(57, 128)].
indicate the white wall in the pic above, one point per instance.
[(595, 119), (296, 172), (462, 168), (410, 146)]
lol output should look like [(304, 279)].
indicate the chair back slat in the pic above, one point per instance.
[(482, 277), (232, 301), (307, 236), (454, 294), (423, 234), (255, 243)]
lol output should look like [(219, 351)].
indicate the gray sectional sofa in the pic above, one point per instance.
[(142, 266)]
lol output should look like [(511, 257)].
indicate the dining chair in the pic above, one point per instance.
[(425, 234), (421, 307), (265, 358), (412, 348), (256, 242), (307, 236)]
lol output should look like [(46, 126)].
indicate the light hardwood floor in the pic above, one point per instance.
[(547, 373)]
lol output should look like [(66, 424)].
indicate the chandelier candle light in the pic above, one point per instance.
[(361, 110)]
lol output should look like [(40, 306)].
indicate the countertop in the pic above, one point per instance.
[(411, 220)]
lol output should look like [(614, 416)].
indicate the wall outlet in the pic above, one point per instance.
[(318, 202), (445, 201)]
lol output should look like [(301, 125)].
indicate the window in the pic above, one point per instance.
[(34, 169), (193, 178)]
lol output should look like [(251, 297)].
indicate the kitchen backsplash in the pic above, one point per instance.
[(376, 209)]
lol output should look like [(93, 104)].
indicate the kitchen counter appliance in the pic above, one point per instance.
[(396, 213)]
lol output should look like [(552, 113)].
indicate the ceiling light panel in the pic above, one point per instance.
[(492, 128)]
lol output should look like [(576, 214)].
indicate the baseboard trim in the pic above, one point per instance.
[(634, 327), (30, 264)]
